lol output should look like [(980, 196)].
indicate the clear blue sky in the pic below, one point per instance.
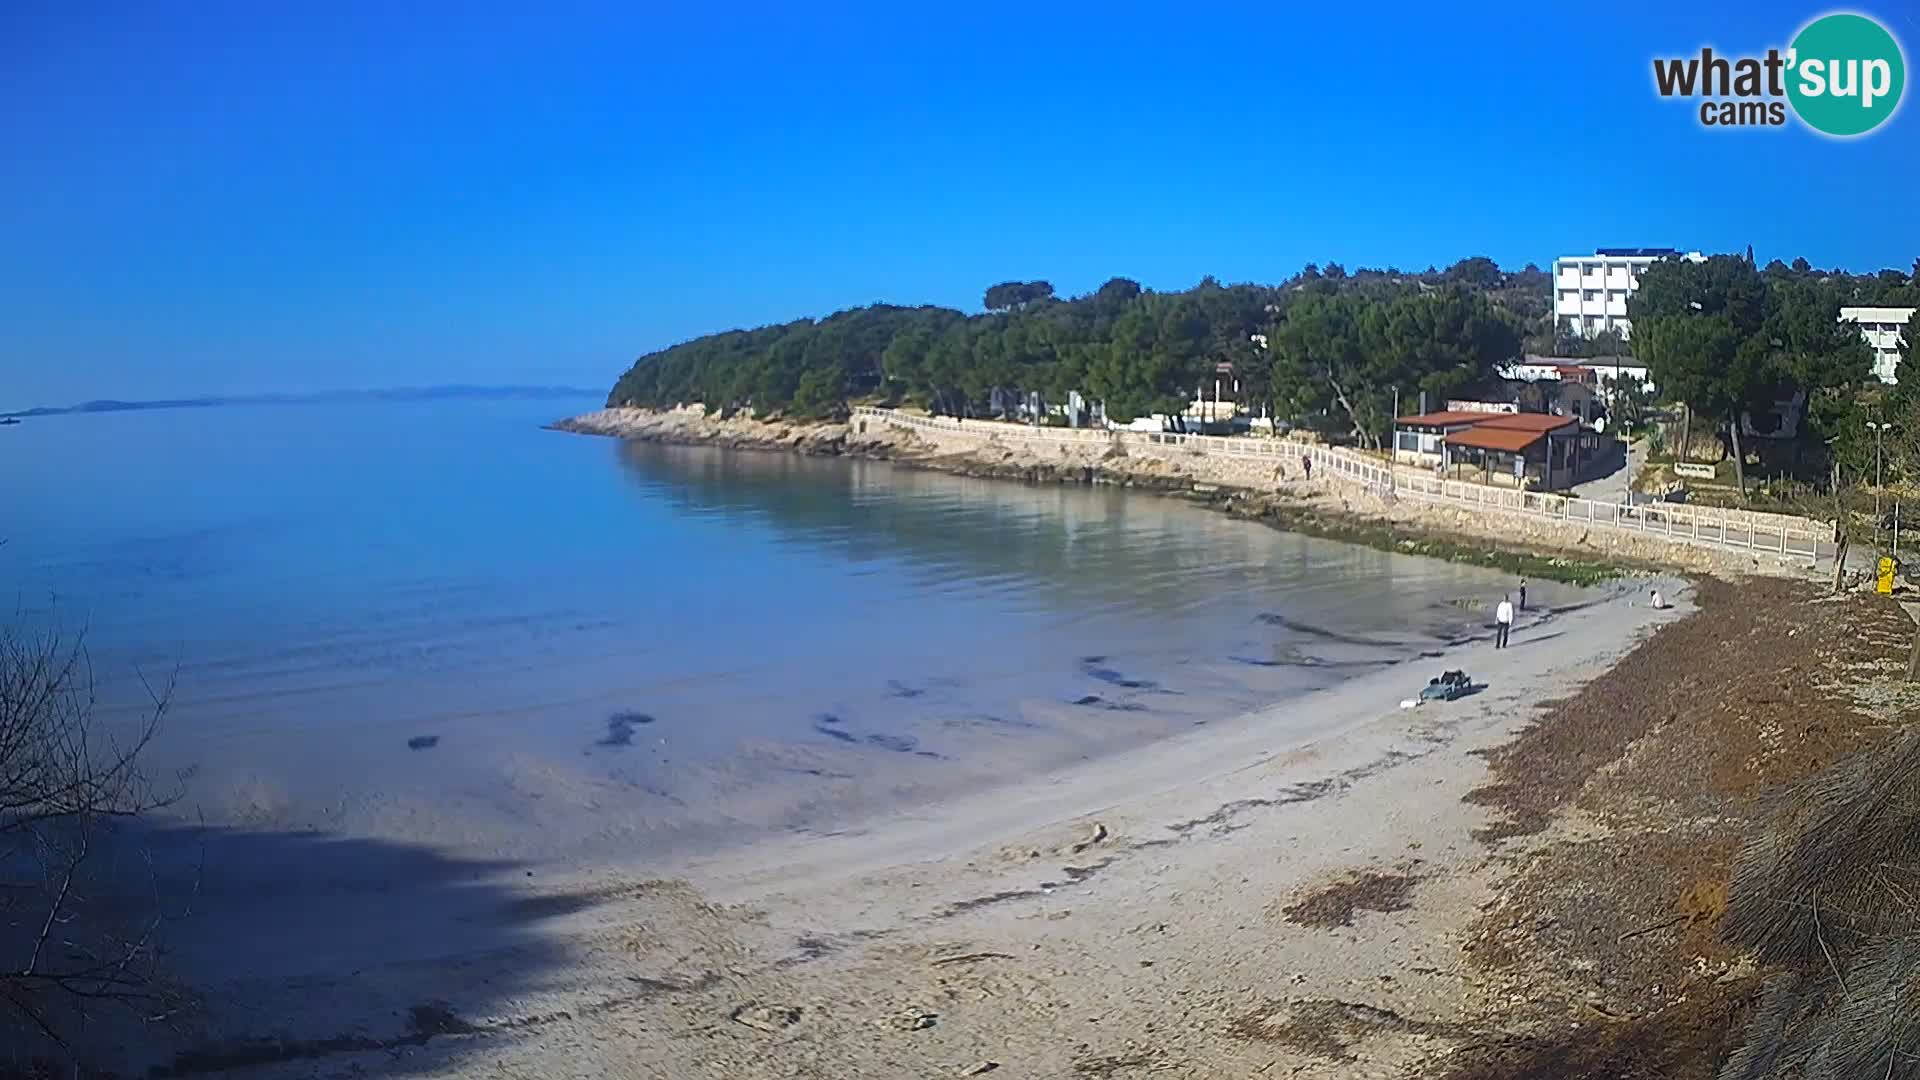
[(230, 197)]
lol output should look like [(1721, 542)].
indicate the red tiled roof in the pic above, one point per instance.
[(1484, 437), (1445, 418), (1535, 422)]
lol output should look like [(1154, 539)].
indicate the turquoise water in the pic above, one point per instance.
[(601, 646)]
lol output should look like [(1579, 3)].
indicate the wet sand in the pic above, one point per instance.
[(1110, 918)]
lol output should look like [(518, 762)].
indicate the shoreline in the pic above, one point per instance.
[(1310, 508), (964, 932), (1371, 892)]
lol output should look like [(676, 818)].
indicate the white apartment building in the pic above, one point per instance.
[(1590, 291), (1882, 327)]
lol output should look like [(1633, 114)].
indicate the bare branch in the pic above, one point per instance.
[(67, 775), (54, 909)]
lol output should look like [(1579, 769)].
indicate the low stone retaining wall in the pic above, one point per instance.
[(1342, 483), (1667, 534)]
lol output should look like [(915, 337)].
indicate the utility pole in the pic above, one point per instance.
[(1626, 467), (1624, 432), (1393, 459)]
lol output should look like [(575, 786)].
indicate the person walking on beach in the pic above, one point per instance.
[(1306, 465), (1502, 623), (1523, 594)]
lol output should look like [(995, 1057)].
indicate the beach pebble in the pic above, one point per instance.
[(912, 1019)]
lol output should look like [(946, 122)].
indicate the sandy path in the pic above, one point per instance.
[(1120, 918)]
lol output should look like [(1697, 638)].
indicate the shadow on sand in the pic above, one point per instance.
[(281, 948)]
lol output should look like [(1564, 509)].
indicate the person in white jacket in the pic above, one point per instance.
[(1502, 622)]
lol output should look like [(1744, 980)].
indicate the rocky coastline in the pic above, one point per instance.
[(1269, 495), (690, 426)]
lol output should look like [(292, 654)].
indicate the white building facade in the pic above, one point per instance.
[(1605, 369), (1882, 327), (1590, 291)]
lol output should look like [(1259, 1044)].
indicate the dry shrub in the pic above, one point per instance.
[(1814, 1027), (1828, 892), (1836, 865)]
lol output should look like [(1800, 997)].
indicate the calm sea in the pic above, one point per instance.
[(440, 622)]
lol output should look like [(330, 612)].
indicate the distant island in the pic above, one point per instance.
[(406, 393)]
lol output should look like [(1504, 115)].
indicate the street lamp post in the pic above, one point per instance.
[(1879, 433), (1879, 440)]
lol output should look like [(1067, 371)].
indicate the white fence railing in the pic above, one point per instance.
[(1776, 534)]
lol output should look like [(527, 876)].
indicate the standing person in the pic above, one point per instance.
[(1523, 594), (1306, 465), (1502, 623)]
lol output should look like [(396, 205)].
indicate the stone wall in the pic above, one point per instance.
[(1129, 458), (1270, 470)]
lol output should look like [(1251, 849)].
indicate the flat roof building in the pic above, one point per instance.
[(1882, 327), (1590, 291)]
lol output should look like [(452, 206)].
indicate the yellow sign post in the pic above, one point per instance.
[(1884, 585)]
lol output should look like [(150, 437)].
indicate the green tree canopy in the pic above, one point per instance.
[(1365, 333), (1338, 358), (1478, 272), (1729, 340), (1016, 294)]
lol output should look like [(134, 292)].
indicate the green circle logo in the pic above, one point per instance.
[(1846, 74)]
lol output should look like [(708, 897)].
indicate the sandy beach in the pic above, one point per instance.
[(1219, 903), (1522, 884)]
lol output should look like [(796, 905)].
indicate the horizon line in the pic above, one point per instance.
[(294, 397)]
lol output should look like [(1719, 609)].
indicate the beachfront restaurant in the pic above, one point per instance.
[(1421, 440), (1530, 450)]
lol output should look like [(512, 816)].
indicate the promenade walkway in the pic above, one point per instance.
[(1779, 535)]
